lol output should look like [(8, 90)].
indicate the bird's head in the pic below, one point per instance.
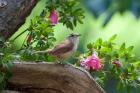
[(74, 37)]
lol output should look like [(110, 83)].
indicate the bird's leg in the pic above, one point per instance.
[(61, 62), (57, 61), (64, 62)]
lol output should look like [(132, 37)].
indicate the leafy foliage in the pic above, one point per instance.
[(40, 35), (126, 74), (69, 11), (5, 62)]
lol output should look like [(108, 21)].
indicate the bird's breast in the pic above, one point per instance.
[(65, 55)]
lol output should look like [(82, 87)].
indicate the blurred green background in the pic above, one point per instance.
[(126, 25)]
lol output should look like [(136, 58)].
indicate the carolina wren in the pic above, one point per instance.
[(64, 49)]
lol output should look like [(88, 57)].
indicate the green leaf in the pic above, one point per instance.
[(136, 64), (8, 65), (78, 10), (113, 38), (105, 43), (69, 25), (89, 46), (1, 77), (75, 22), (122, 46), (72, 3), (80, 21), (52, 39), (130, 48), (100, 40)]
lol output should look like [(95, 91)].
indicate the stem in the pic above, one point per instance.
[(19, 35), (24, 40)]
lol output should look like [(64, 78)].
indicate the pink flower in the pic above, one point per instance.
[(54, 17), (117, 63), (91, 62)]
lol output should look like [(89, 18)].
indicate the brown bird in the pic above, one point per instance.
[(64, 49)]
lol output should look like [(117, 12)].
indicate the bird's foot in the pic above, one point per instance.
[(57, 62), (64, 62)]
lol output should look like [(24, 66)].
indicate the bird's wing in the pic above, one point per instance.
[(62, 48)]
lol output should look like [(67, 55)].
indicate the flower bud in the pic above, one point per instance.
[(54, 17)]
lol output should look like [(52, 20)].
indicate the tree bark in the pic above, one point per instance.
[(51, 78), (13, 14)]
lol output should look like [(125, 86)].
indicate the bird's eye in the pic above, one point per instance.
[(72, 35)]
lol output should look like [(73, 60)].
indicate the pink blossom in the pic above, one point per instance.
[(117, 63), (54, 17), (91, 62)]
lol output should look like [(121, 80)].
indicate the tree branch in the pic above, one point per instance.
[(13, 15), (52, 78)]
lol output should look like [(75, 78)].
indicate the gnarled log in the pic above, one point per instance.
[(52, 78), (13, 14)]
